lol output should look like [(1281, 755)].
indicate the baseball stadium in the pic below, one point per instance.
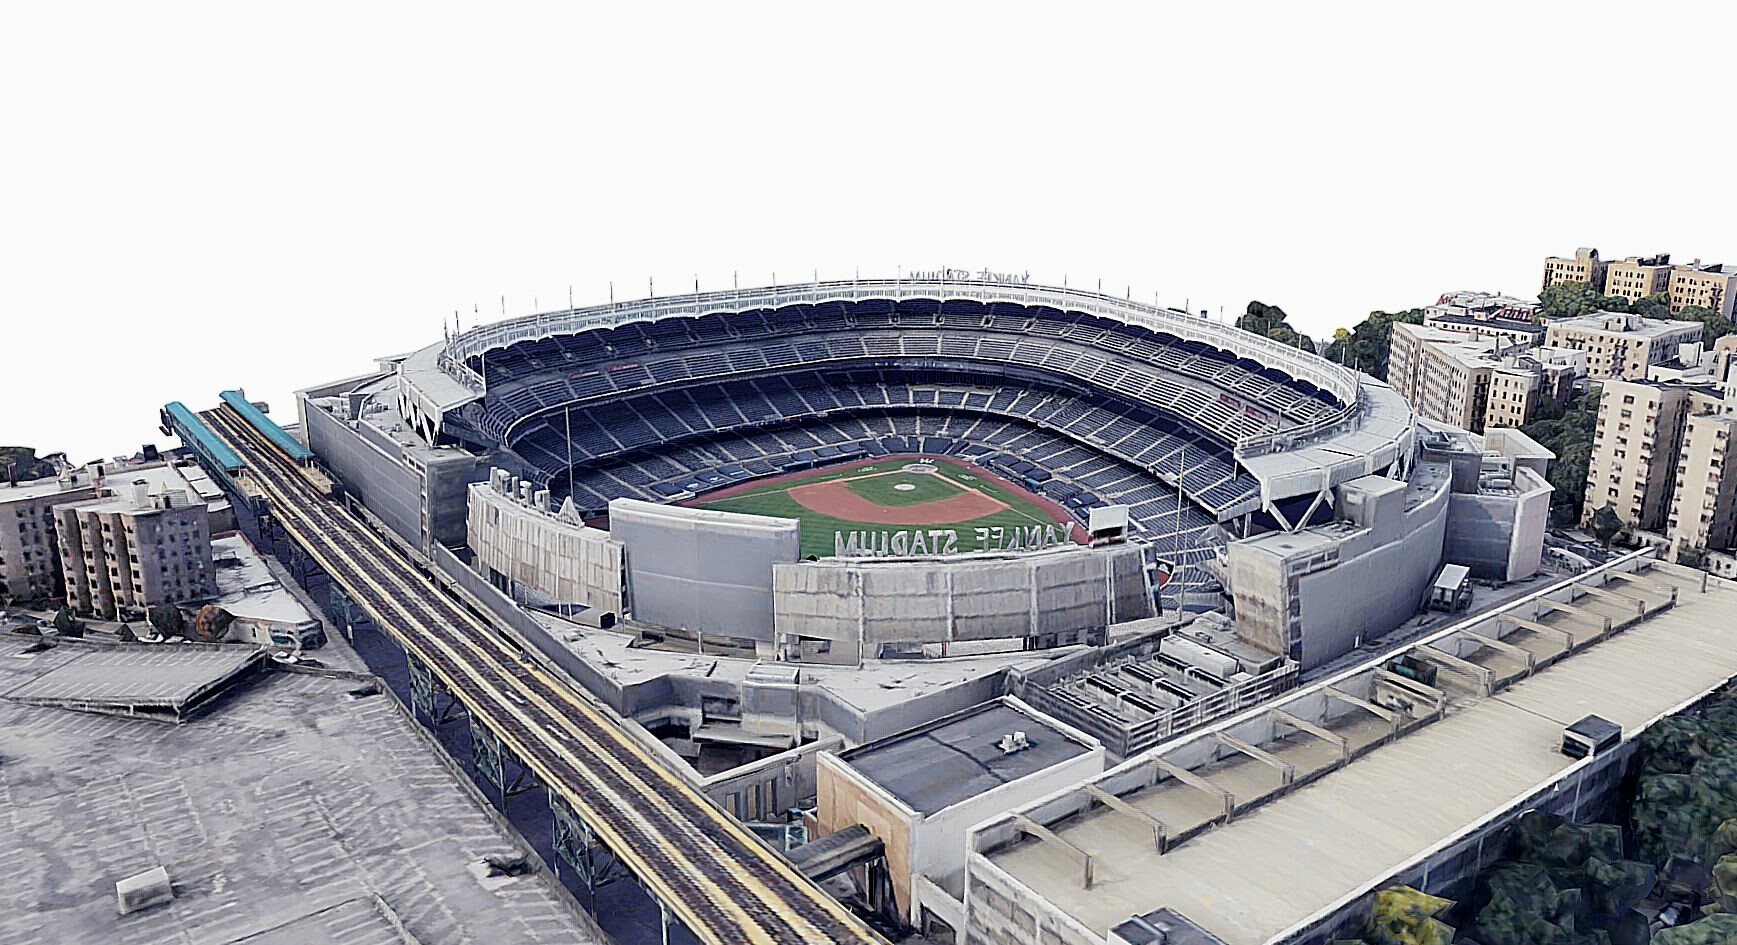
[(1061, 400), (846, 469), (760, 525)]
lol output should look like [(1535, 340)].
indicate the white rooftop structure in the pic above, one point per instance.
[(1624, 323), (247, 588), (1340, 787)]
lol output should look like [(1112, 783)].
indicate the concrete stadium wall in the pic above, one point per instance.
[(872, 601), (700, 569), (372, 471), (1376, 586), (1315, 596), (538, 549), (1001, 911), (1500, 538)]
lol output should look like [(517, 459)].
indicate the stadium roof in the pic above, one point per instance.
[(1294, 857)]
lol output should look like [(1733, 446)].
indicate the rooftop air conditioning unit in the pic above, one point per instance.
[(1593, 735), (1014, 742)]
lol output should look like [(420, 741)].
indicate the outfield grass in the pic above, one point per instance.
[(949, 479)]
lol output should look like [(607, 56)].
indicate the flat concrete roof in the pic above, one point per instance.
[(161, 681), (932, 767), (1645, 327), (281, 818), (116, 492), (1287, 860), (34, 488)]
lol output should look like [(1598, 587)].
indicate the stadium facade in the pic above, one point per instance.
[(551, 464)]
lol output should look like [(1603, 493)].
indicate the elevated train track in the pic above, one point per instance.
[(706, 869)]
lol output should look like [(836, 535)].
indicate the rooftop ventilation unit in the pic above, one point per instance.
[(1593, 735), (1014, 742)]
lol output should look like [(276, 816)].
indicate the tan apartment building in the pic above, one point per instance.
[(1711, 287), (1704, 504), (1638, 277), (29, 558), (1583, 266), (1475, 383), (134, 549), (1635, 448), (1620, 345)]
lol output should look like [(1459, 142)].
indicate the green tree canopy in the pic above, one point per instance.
[(1605, 524), (166, 619), (1567, 432), (67, 625), (1572, 299), (1367, 346), (1271, 321), (1715, 325)]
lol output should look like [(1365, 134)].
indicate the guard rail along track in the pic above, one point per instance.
[(724, 885)]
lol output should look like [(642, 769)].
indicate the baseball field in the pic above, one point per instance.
[(902, 505)]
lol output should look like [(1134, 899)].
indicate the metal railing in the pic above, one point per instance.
[(1338, 380)]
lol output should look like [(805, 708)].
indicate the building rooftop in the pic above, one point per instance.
[(186, 485), (34, 488), (246, 587), (1502, 324), (1622, 323), (162, 682), (932, 767), (1362, 813), (294, 812)]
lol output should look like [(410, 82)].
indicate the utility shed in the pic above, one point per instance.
[(921, 790)]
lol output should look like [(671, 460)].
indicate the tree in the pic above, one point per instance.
[(1605, 524), (1714, 325), (1402, 915), (1567, 430), (1367, 346), (166, 619), (1271, 321), (66, 625), (211, 622), (1657, 305), (1572, 299)]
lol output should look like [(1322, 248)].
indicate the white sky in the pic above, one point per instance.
[(200, 197)]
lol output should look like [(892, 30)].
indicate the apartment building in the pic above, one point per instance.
[(1638, 277), (1584, 266), (1479, 382), (1620, 345), (1704, 503), (131, 549), (1711, 287), (29, 561), (1632, 467), (1486, 315)]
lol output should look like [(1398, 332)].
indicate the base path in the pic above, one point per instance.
[(836, 499)]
